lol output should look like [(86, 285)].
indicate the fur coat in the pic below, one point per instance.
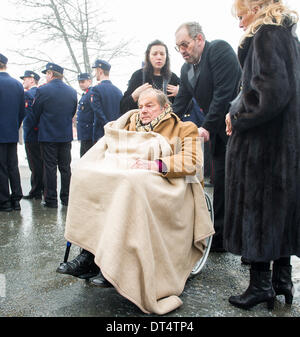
[(262, 193)]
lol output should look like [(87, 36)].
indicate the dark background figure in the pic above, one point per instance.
[(262, 217), (32, 146), (156, 73), (195, 114), (12, 107), (105, 99), (211, 75), (53, 110), (85, 114)]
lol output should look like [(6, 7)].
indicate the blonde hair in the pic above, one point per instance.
[(269, 12)]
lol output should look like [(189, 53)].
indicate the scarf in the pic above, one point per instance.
[(150, 126)]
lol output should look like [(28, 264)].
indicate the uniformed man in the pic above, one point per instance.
[(85, 114), (53, 110), (105, 99), (11, 115), (32, 147)]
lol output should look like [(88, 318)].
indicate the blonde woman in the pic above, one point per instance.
[(262, 217)]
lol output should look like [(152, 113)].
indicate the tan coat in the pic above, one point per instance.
[(185, 144)]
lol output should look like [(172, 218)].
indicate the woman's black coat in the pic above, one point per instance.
[(262, 207), (137, 79)]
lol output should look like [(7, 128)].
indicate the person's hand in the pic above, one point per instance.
[(136, 94), (228, 125), (142, 164), (203, 133), (173, 90)]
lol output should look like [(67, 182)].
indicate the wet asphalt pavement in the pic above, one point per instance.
[(32, 245)]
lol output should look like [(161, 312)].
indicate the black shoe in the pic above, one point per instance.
[(260, 290), (31, 196), (282, 282), (83, 266), (6, 207), (65, 203), (245, 261), (16, 205), (48, 204), (100, 281)]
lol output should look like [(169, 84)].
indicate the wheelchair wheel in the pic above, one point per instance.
[(200, 264)]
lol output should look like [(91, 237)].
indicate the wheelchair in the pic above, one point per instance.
[(200, 264)]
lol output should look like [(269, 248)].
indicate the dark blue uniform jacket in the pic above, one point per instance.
[(85, 117), (105, 100), (30, 133), (53, 109), (11, 108)]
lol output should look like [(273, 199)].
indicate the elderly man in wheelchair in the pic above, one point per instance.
[(137, 207)]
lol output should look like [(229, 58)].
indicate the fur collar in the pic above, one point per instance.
[(244, 48)]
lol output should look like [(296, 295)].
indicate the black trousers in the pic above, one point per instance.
[(85, 145), (208, 167), (218, 163), (36, 166), (56, 155), (9, 173)]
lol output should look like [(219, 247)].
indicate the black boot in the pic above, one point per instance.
[(282, 282), (83, 266), (260, 290), (6, 207), (245, 261), (100, 281)]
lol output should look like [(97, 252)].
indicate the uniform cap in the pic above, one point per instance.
[(84, 76), (54, 67), (30, 73), (3, 59), (102, 64)]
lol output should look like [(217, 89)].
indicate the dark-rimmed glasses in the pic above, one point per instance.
[(183, 45)]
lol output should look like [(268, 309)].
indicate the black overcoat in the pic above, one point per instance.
[(213, 86), (137, 79), (262, 195)]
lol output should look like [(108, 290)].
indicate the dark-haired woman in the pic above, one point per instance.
[(155, 73)]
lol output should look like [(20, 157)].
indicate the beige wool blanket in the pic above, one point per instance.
[(146, 231)]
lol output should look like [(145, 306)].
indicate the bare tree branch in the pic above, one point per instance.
[(69, 31)]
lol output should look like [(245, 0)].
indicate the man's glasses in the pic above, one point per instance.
[(183, 45)]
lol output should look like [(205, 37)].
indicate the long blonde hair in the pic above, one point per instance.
[(271, 12)]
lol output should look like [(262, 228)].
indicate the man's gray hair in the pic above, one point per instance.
[(193, 28)]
